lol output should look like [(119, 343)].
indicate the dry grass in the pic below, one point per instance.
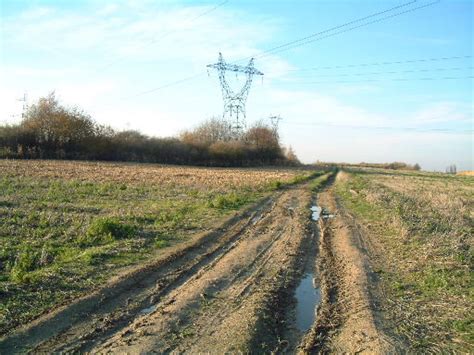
[(150, 174), (466, 173), (424, 225)]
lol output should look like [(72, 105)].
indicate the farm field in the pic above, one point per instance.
[(418, 232), (66, 227), (178, 259)]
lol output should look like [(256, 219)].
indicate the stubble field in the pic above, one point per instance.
[(419, 228)]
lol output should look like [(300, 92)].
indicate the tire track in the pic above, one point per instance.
[(192, 315), (76, 327), (228, 290)]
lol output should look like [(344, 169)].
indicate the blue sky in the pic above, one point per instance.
[(342, 98)]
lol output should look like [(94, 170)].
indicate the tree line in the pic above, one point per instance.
[(50, 130)]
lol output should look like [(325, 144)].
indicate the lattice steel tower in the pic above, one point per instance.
[(234, 103)]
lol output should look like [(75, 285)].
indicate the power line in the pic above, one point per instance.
[(153, 41), (315, 36), (389, 128), (398, 72), (309, 39), (382, 63), (195, 18), (299, 43), (382, 80), (331, 29), (387, 72), (165, 85)]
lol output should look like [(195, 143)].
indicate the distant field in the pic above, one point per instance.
[(65, 227), (421, 227)]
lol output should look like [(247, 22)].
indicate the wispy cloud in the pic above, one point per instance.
[(447, 112), (169, 33)]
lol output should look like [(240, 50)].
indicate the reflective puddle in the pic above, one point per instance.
[(320, 212), (148, 310), (308, 297), (316, 212)]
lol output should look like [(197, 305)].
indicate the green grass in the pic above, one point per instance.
[(319, 180), (106, 230), (278, 185), (230, 201)]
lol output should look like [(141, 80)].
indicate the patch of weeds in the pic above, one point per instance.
[(302, 177), (434, 280), (275, 185), (319, 181), (465, 327), (231, 201), (26, 261), (162, 243), (193, 193), (145, 219), (399, 288), (94, 256), (170, 219), (126, 258), (105, 231)]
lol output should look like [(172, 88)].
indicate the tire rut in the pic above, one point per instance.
[(231, 289), (181, 320), (347, 319), (110, 309)]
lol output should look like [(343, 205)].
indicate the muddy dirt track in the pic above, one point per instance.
[(230, 290)]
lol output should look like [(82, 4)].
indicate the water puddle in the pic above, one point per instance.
[(148, 310), (308, 297), (316, 212), (320, 212)]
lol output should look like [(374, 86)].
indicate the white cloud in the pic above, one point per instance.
[(36, 13), (447, 112), (312, 106), (107, 10), (167, 34)]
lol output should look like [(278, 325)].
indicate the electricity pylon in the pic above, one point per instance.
[(274, 121), (234, 103), (24, 99)]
